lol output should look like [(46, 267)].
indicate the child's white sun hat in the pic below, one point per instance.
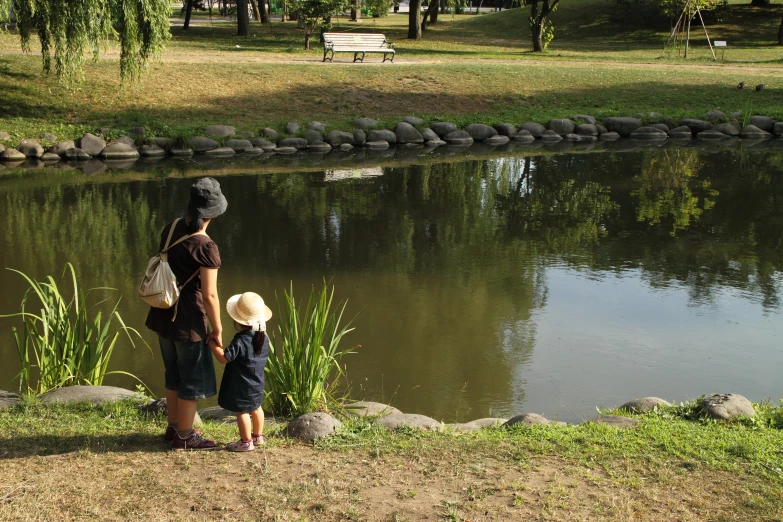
[(249, 309)]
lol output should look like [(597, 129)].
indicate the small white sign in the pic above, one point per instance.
[(719, 43)]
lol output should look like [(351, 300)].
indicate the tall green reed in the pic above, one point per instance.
[(66, 341), (304, 362)]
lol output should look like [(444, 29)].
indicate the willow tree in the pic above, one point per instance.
[(73, 28)]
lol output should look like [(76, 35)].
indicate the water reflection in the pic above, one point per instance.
[(459, 270)]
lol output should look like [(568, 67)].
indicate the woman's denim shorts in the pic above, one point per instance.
[(190, 369)]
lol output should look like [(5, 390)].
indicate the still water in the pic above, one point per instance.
[(549, 284)]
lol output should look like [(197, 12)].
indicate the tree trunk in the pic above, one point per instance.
[(307, 40), (780, 33), (442, 6), (243, 20), (188, 12), (434, 15), (431, 14), (414, 20), (256, 11), (538, 22), (264, 12)]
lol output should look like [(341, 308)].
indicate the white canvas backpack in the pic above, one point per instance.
[(159, 287)]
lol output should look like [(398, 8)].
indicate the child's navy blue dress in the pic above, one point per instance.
[(242, 387)]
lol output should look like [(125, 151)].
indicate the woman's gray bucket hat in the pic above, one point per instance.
[(206, 199)]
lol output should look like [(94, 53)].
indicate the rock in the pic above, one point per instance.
[(580, 138), (119, 151), (76, 154), (12, 155), (505, 129), (726, 406), (345, 147), (317, 126), (220, 151), (407, 133), (238, 145), (682, 132), (523, 136), (319, 146), (365, 123), (151, 151), (50, 157), (584, 118), (436, 143), (297, 143), (203, 144), (536, 129), (138, 132), (30, 148), (359, 137), (61, 147), (527, 419), (714, 116), (382, 135), (712, 135), (263, 144), (601, 129), (648, 133), (4, 136), (248, 135), (45, 136), (777, 129), (271, 134), (609, 136), (218, 414), (220, 131), (429, 135), (659, 126), (377, 145), (181, 152), (312, 426), (696, 126), (441, 128), (291, 128), (125, 140), (478, 424), (623, 126), (255, 151), (764, 123), (311, 136), (644, 404), (285, 150), (639, 116), (586, 129), (370, 409), (458, 137), (562, 127), (551, 136), (8, 399), (617, 421), (409, 420), (480, 132), (93, 394), (497, 140), (163, 143), (751, 132), (413, 120)]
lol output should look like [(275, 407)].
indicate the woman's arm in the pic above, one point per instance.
[(212, 303), (217, 351)]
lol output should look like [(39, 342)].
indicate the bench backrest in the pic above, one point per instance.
[(349, 40)]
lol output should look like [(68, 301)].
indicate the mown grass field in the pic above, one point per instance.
[(108, 463), (604, 61)]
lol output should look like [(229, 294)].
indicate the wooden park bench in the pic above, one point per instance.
[(359, 44)]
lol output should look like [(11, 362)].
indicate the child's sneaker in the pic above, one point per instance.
[(258, 440), (241, 445)]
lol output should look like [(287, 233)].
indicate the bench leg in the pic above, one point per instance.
[(362, 57), (325, 53), (355, 57)]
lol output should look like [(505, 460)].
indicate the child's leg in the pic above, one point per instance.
[(243, 421), (258, 421)]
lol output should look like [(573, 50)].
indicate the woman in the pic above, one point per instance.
[(182, 330)]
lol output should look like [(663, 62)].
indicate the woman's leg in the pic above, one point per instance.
[(243, 422), (187, 412), (172, 407), (258, 422)]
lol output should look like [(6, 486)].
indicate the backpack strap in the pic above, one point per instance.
[(176, 305), (168, 246)]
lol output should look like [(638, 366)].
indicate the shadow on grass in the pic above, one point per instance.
[(49, 445)]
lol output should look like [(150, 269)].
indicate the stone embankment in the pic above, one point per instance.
[(223, 141), (313, 426)]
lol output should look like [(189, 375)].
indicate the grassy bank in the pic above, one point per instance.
[(468, 68), (668, 467)]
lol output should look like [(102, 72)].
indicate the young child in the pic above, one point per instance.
[(242, 388)]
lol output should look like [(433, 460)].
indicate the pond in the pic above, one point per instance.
[(484, 286)]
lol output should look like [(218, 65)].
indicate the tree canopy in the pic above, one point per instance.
[(72, 28)]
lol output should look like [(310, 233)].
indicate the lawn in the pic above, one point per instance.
[(71, 462), (467, 68)]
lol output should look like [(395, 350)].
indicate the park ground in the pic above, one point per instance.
[(606, 60), (109, 463)]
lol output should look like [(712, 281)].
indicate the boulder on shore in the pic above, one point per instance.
[(644, 404), (408, 420), (382, 135), (527, 419), (622, 126), (119, 151), (648, 133), (365, 123), (30, 148), (617, 421), (93, 394), (8, 399), (751, 132), (407, 133), (370, 409), (561, 126), (203, 144), (505, 129), (92, 144), (725, 406), (764, 123), (441, 128), (696, 126), (535, 129), (458, 137), (312, 426), (480, 132), (220, 131)]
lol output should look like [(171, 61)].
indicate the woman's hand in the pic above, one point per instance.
[(212, 302), (215, 337)]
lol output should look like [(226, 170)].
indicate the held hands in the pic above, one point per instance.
[(215, 338)]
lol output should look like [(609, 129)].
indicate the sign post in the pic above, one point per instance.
[(720, 43)]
